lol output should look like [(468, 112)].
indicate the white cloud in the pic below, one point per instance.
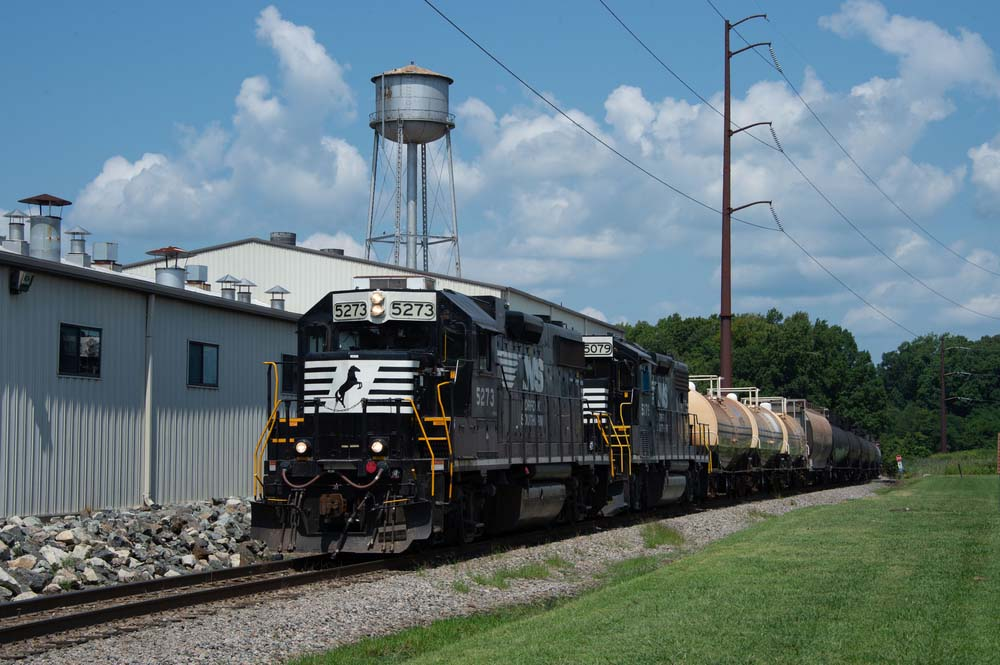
[(594, 312), (338, 240), (986, 175), (276, 162)]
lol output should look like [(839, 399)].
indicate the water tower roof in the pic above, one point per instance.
[(412, 69)]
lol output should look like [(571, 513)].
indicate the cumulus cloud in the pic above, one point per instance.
[(338, 240), (276, 160), (986, 175)]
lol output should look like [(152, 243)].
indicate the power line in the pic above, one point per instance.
[(586, 131), (676, 76), (847, 219), (780, 228), (777, 67)]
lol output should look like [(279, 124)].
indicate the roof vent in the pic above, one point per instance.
[(46, 239), (171, 274), (243, 290), (106, 256), (283, 238), (278, 294), (78, 247), (228, 286), (197, 276), (15, 233), (332, 251)]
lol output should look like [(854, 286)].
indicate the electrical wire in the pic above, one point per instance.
[(777, 146), (780, 228), (841, 213), (586, 131), (676, 76), (777, 67)]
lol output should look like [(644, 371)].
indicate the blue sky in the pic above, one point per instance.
[(192, 124)]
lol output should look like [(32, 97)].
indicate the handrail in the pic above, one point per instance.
[(447, 436), (258, 451), (627, 429), (430, 448)]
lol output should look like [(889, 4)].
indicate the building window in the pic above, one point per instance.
[(289, 373), (79, 351), (203, 364)]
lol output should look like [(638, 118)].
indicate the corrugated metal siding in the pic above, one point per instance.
[(204, 437), (67, 443), (574, 321)]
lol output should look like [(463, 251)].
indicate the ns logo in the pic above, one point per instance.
[(534, 375)]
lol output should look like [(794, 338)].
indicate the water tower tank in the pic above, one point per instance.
[(416, 96)]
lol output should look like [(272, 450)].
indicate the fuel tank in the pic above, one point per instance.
[(794, 444)]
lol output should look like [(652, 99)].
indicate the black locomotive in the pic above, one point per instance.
[(431, 416)]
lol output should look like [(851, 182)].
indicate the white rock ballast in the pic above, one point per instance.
[(116, 546)]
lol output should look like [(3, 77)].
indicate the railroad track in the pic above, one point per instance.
[(32, 623)]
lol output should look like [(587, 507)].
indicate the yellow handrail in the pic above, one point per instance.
[(430, 448), (447, 436), (627, 429), (258, 451)]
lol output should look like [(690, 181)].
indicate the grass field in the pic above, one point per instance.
[(908, 576), (966, 462)]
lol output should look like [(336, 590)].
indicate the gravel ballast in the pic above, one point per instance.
[(108, 547), (324, 616)]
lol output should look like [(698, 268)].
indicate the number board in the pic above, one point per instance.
[(598, 347), (350, 311), (408, 310)]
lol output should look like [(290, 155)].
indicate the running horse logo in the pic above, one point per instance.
[(351, 382)]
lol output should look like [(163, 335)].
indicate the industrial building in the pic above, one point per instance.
[(115, 388)]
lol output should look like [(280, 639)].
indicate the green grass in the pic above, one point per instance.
[(982, 461), (864, 582), (557, 562), (460, 586), (501, 578), (655, 534)]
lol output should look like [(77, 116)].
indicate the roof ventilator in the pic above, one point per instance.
[(171, 274), (46, 226), (78, 247), (15, 241), (277, 293), (243, 290), (228, 283)]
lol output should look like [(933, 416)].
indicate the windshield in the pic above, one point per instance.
[(385, 337)]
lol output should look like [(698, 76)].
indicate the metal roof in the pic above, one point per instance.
[(134, 283), (376, 264), (277, 289), (411, 69), (46, 200), (78, 230)]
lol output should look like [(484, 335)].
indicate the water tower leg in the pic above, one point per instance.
[(454, 206), (411, 205), (371, 199), (424, 238)]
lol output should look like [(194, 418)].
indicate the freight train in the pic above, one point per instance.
[(428, 416)]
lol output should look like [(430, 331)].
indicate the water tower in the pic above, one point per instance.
[(411, 112)]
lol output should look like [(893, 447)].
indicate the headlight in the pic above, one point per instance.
[(378, 310), (378, 298), (301, 447), (377, 446)]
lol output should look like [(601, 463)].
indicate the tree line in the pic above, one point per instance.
[(895, 401)]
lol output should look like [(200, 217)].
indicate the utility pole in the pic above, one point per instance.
[(944, 411), (726, 304)]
